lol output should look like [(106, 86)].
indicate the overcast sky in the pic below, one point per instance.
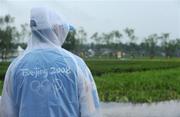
[(145, 16)]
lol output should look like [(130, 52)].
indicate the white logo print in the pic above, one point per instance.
[(43, 87), (36, 72), (40, 87)]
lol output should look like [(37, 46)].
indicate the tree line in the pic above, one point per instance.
[(153, 45), (77, 41)]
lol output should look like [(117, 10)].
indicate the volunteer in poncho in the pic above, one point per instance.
[(47, 80)]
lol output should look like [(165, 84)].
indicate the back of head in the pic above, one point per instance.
[(47, 28)]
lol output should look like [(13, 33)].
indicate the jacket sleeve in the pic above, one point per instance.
[(88, 96), (6, 103)]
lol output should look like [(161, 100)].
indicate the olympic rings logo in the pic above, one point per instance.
[(42, 88)]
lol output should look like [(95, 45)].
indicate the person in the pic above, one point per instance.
[(47, 80)]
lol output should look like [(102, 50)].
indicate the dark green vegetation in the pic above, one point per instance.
[(148, 86), (138, 80), (3, 68), (99, 67), (134, 81)]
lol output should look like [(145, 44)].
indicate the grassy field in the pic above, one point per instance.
[(99, 67), (137, 81), (147, 86), (134, 81)]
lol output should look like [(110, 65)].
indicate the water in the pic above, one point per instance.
[(162, 109)]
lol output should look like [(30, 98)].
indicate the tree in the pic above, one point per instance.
[(171, 48), (117, 36), (96, 38), (81, 35), (8, 36), (23, 34), (132, 44), (107, 38), (178, 47), (71, 43), (150, 44), (165, 43), (130, 34)]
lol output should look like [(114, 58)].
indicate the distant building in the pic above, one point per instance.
[(91, 53), (120, 54), (106, 52)]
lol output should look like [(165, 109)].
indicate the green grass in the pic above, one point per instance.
[(99, 67), (146, 86), (137, 81)]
